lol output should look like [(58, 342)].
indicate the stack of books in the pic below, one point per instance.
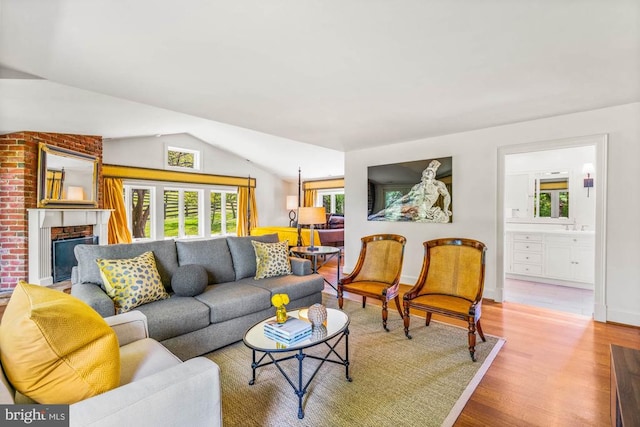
[(289, 332)]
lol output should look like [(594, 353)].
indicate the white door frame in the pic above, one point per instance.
[(600, 143)]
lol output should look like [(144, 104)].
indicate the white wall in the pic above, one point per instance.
[(149, 152), (475, 195)]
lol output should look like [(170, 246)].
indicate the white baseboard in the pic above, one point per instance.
[(623, 316)]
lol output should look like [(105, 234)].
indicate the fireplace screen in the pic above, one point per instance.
[(63, 257)]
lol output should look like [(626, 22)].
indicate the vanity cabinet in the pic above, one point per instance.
[(570, 258), (527, 254), (552, 257)]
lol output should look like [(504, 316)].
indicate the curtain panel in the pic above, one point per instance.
[(114, 199)]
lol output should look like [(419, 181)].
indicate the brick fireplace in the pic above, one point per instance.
[(18, 193)]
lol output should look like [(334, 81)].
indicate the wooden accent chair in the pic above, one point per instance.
[(377, 272), (451, 283)]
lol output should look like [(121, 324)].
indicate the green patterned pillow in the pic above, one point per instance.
[(272, 259), (132, 282)]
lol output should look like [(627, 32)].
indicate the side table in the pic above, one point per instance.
[(327, 252)]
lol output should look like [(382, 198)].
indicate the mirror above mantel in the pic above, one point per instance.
[(66, 178)]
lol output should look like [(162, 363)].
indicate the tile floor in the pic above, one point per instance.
[(561, 298)]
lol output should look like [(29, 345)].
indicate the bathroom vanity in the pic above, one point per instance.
[(559, 257)]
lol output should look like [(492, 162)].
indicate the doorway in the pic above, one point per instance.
[(527, 215)]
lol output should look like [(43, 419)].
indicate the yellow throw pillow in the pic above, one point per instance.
[(56, 349), (272, 259), (132, 282)]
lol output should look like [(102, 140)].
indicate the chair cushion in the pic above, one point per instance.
[(243, 254), (132, 282), (55, 348), (443, 302), (272, 259), (189, 280)]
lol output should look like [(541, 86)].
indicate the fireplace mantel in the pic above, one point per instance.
[(40, 223)]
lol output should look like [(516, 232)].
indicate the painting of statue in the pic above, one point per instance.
[(418, 191)]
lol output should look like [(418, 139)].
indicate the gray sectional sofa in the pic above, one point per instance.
[(231, 303)]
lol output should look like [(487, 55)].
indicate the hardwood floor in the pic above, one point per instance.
[(552, 371)]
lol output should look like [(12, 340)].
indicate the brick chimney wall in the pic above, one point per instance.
[(18, 192)]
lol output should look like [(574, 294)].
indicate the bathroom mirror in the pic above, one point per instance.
[(66, 178), (538, 197)]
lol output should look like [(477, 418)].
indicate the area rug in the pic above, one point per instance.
[(424, 381)]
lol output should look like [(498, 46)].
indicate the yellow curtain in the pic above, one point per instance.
[(55, 180), (310, 198), (114, 199), (242, 228)]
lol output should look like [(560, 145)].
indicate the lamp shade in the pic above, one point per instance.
[(292, 202), (75, 193), (311, 216), (588, 168)]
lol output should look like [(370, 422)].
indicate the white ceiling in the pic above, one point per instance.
[(312, 78)]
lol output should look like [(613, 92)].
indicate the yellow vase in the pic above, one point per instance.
[(281, 314)]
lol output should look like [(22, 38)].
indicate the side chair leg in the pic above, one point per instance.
[(340, 297), (407, 321), (427, 318), (398, 306), (364, 301), (479, 329), (385, 315), (472, 338)]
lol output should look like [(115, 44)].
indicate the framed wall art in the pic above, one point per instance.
[(416, 191)]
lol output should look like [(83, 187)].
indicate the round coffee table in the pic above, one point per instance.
[(335, 331)]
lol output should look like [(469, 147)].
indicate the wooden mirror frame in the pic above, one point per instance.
[(59, 170)]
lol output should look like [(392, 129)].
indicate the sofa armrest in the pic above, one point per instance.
[(129, 327), (300, 266), (187, 394), (95, 297)]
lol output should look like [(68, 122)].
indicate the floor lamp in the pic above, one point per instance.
[(311, 216)]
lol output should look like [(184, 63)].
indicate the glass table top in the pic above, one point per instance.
[(337, 322)]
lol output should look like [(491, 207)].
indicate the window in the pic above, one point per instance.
[(552, 198), (183, 158), (224, 212), (140, 212), (182, 212), (332, 200)]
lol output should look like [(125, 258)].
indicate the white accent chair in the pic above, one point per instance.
[(156, 388)]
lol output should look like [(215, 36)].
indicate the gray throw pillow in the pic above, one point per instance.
[(189, 280), (243, 254)]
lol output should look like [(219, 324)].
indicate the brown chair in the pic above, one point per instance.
[(377, 272), (450, 283)]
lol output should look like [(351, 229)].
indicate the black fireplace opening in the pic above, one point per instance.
[(63, 257)]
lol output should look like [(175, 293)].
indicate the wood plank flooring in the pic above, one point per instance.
[(552, 371)]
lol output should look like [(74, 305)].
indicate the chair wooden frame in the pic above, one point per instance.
[(471, 316), (388, 291)]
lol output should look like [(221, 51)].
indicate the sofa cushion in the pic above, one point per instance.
[(55, 348), (295, 286), (212, 254), (272, 259), (189, 280), (175, 316), (132, 282), (164, 252), (243, 254), (230, 300)]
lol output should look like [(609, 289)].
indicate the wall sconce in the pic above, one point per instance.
[(588, 169), (292, 205), (311, 216)]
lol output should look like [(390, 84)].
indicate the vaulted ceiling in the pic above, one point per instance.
[(312, 79)]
